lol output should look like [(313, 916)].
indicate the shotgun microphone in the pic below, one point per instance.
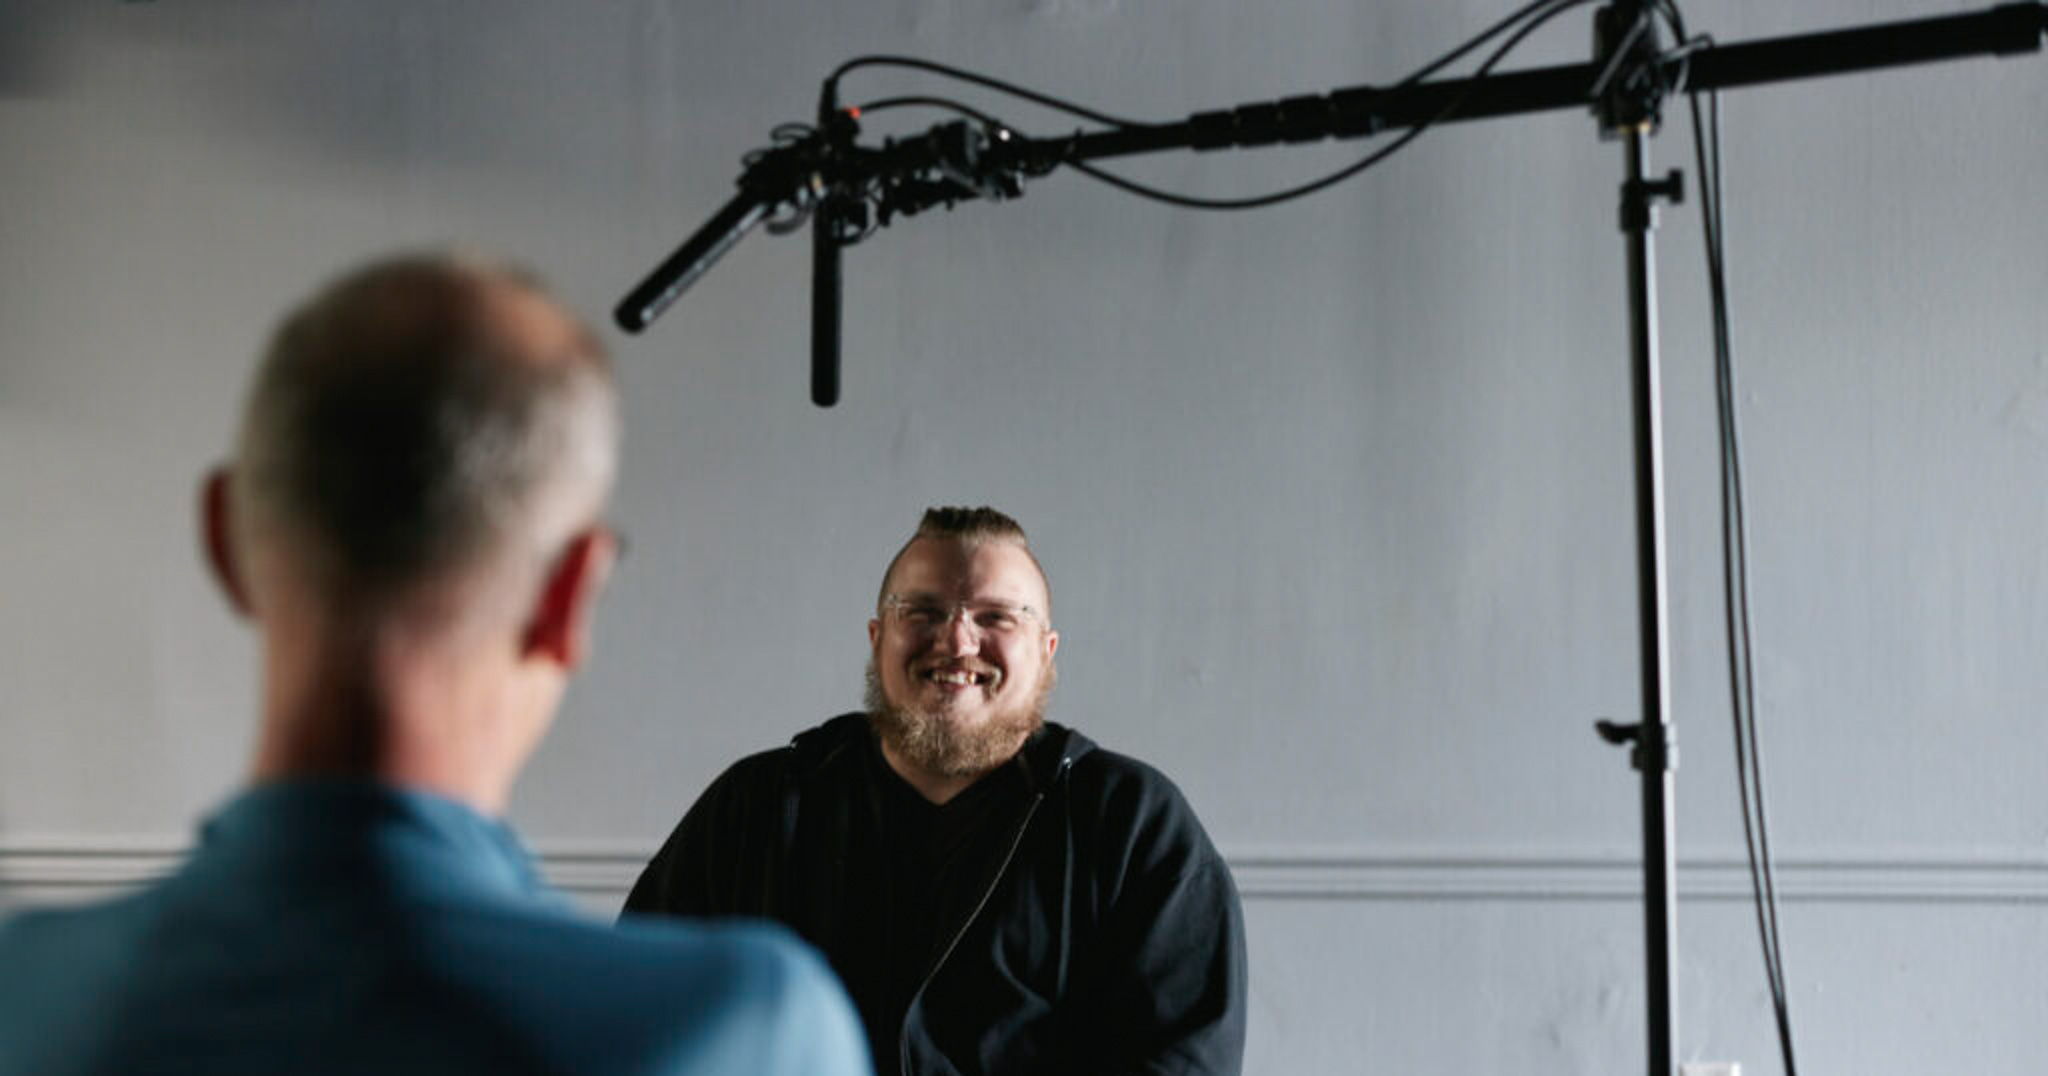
[(836, 129), (794, 173), (669, 279), (825, 254)]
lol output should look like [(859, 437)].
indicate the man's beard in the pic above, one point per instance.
[(933, 742)]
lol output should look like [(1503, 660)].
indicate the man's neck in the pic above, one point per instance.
[(382, 708)]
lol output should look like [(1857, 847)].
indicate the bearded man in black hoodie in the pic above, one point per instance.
[(999, 894)]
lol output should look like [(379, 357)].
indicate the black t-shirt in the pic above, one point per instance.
[(941, 860)]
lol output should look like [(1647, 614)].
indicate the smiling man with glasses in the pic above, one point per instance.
[(999, 894)]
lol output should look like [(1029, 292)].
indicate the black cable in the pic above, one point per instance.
[(1534, 13), (832, 81), (1131, 186), (1557, 7), (1617, 55), (1734, 545), (1749, 772), (1463, 50), (1735, 578), (946, 103), (831, 89), (1677, 20)]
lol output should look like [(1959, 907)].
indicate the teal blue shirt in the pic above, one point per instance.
[(341, 927)]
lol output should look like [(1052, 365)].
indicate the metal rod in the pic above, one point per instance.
[(1363, 110), (1654, 757)]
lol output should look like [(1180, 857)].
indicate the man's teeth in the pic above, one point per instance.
[(956, 677)]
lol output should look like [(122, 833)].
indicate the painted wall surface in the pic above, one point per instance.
[(1336, 497)]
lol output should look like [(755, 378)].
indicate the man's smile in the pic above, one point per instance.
[(958, 676)]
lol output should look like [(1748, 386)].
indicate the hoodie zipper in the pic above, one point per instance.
[(1016, 841)]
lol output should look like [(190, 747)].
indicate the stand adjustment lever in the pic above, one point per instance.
[(1639, 199), (1660, 754)]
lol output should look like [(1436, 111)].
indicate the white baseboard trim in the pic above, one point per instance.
[(49, 871)]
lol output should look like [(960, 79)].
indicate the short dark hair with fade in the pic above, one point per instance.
[(402, 424), (971, 526)]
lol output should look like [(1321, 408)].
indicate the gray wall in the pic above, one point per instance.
[(1335, 496)]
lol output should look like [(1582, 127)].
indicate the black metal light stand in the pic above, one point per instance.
[(1629, 105)]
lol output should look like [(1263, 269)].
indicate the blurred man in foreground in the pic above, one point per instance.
[(412, 521)]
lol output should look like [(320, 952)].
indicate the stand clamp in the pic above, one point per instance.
[(1659, 753), (1639, 199)]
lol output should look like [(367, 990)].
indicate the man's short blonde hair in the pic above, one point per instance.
[(419, 413)]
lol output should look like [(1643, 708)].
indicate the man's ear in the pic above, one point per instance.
[(217, 537), (559, 629)]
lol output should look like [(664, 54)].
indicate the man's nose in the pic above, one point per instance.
[(958, 635)]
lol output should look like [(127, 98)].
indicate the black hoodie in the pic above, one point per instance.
[(1096, 931)]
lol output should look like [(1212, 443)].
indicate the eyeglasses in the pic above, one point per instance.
[(922, 614)]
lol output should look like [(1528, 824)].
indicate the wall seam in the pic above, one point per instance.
[(84, 871)]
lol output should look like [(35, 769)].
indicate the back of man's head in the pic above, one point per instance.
[(424, 419)]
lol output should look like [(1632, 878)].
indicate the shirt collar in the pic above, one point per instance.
[(308, 821)]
